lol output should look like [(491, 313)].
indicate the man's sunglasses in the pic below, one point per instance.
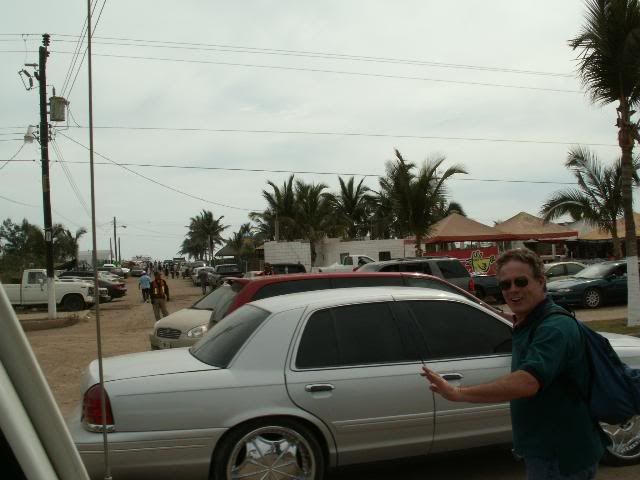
[(519, 282)]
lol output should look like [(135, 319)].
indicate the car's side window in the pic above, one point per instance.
[(454, 330), (452, 269), (295, 286), (348, 261), (572, 268), (393, 267), (415, 267), (34, 278), (349, 282), (352, 335)]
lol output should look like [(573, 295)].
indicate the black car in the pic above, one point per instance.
[(115, 289), (220, 272)]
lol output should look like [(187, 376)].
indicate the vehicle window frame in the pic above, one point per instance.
[(257, 294), (440, 262), (298, 334), (574, 266)]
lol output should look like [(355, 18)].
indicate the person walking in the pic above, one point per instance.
[(159, 296), (203, 278), (144, 284), (552, 428)]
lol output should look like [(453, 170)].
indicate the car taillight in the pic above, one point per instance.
[(472, 286), (92, 410)]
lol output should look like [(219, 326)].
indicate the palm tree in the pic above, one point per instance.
[(598, 198), (312, 213), (418, 198), (206, 230), (350, 207), (280, 211), (609, 66), (65, 243)]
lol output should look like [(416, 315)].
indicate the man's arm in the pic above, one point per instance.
[(519, 384), (166, 289)]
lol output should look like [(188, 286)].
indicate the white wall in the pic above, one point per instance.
[(288, 252), (330, 250)]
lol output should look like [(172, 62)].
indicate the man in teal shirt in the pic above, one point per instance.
[(552, 428)]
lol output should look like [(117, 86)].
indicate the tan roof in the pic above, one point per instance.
[(524, 226), (457, 228), (597, 234)]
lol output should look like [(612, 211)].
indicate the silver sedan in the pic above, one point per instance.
[(290, 386)]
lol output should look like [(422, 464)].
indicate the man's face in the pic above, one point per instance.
[(521, 299)]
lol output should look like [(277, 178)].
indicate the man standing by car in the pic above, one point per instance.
[(552, 427), (159, 296), (203, 278)]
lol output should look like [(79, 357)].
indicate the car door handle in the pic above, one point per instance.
[(319, 387), (452, 376)]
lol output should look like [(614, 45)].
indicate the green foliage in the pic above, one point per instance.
[(205, 232)]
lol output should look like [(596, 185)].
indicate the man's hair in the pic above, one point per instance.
[(523, 255)]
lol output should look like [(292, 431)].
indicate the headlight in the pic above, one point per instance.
[(197, 332)]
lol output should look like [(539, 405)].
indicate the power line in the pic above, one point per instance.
[(38, 206), (13, 157), (342, 134), (70, 179), (119, 41), (320, 70), (307, 172), (155, 181)]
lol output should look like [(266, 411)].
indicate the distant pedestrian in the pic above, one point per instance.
[(268, 269), (166, 271), (144, 284), (203, 278), (173, 271), (159, 296)]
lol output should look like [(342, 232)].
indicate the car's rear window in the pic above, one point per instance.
[(224, 340), (219, 300), (228, 268), (452, 269)]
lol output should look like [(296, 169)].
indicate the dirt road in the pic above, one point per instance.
[(64, 353)]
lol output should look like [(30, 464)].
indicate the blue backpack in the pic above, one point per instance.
[(613, 395)]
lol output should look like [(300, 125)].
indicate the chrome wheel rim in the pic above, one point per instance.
[(272, 453), (625, 439), (592, 298)]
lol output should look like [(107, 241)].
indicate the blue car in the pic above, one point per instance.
[(597, 284)]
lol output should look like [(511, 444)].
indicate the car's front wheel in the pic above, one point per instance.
[(592, 298), (73, 303), (625, 443), (280, 448)]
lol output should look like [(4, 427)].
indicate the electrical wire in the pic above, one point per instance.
[(305, 172), (70, 179), (119, 41), (155, 181)]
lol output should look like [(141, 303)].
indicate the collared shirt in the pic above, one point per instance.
[(555, 423)]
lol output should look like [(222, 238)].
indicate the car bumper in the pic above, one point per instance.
[(160, 343), (184, 454)]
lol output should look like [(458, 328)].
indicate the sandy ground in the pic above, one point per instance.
[(64, 353)]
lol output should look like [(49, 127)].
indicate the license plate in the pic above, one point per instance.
[(165, 344)]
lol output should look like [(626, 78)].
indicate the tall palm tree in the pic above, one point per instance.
[(349, 206), (65, 243), (206, 230), (598, 198), (313, 213), (609, 66), (280, 211)]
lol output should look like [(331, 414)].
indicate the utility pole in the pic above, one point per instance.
[(110, 252), (46, 193), (119, 253), (115, 242)]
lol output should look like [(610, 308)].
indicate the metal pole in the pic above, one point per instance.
[(46, 192), (115, 242), (119, 253), (110, 252), (107, 466)]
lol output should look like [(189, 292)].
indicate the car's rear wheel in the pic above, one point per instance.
[(625, 446), (592, 298), (281, 448), (73, 303)]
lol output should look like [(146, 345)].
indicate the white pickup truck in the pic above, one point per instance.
[(73, 296), (348, 263)]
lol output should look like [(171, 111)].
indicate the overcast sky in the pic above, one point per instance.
[(248, 72)]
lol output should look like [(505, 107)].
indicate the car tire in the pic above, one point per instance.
[(625, 447), (268, 440), (592, 298), (73, 303)]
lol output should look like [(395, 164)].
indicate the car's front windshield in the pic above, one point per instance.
[(595, 271)]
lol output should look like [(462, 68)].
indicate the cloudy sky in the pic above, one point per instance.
[(292, 85)]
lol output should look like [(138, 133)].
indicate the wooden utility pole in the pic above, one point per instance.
[(46, 192)]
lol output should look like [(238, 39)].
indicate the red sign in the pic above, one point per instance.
[(476, 260)]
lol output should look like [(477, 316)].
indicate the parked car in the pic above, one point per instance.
[(559, 270), (298, 384), (114, 286), (222, 271), (185, 327), (348, 263), (194, 274), (136, 271), (103, 293), (451, 269), (593, 286), (486, 286), (32, 290), (34, 440)]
